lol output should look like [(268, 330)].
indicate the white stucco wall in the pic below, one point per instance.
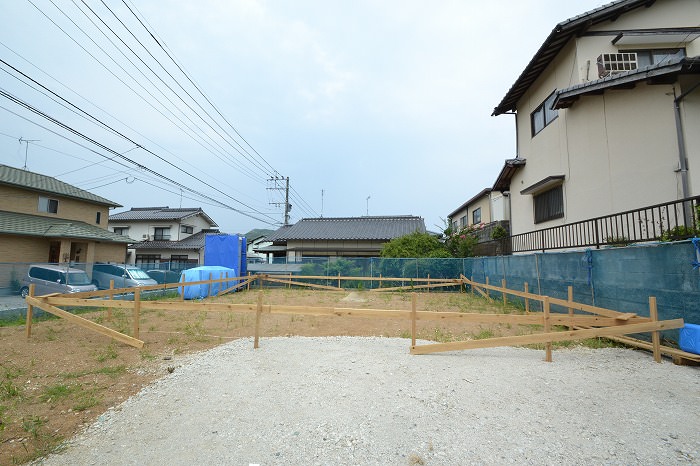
[(618, 150)]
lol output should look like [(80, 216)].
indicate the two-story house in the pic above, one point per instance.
[(607, 115), (43, 219), (174, 235)]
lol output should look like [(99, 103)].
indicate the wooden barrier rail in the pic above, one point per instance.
[(602, 322)]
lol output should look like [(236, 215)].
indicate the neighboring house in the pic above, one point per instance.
[(342, 236), (164, 234), (486, 207), (254, 245), (607, 115), (43, 219)]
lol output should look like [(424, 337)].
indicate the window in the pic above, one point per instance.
[(544, 114), (549, 204), (161, 234), (657, 56), (124, 231), (463, 221), (454, 226), (178, 261), (98, 217), (148, 261), (476, 216), (48, 205), (186, 229)]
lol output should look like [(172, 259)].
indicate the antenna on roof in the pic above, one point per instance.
[(322, 203), (368, 197), (26, 150)]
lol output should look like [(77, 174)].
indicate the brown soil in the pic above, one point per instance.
[(64, 376)]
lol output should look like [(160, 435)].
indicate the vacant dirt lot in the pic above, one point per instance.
[(61, 379)]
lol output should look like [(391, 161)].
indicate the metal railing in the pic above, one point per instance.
[(670, 221)]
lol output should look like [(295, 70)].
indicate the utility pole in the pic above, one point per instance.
[(368, 198), (287, 205), (322, 203), (26, 150)]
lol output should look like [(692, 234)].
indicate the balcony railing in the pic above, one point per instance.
[(670, 221)]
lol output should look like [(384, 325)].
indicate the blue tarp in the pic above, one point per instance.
[(202, 273)]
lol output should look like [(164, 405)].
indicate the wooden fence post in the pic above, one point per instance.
[(505, 297), (338, 279), (111, 297), (137, 312), (571, 309), (182, 288), (380, 280), (428, 283), (413, 320), (527, 300), (209, 285), (30, 312), (655, 337), (258, 315), (488, 292), (547, 329), (248, 286), (471, 287)]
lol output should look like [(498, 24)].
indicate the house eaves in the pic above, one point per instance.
[(510, 166), (136, 214), (483, 193), (556, 41), (13, 223), (662, 73), (48, 185)]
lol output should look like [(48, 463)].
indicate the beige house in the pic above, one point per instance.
[(607, 115), (43, 219), (163, 234), (486, 207)]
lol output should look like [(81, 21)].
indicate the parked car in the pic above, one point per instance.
[(124, 276), (55, 279), (164, 276)]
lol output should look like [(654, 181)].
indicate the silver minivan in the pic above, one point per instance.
[(124, 276), (55, 279)]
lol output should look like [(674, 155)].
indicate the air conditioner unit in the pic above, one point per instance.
[(145, 236), (613, 63)]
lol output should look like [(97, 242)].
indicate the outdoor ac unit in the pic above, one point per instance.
[(613, 63)]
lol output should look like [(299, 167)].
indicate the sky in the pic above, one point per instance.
[(368, 107)]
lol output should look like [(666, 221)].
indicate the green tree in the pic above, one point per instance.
[(414, 245)]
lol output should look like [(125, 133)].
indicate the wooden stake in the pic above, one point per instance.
[(527, 301), (413, 320), (488, 293), (547, 329), (380, 280), (137, 312), (182, 288), (111, 298), (571, 309), (248, 286), (30, 312), (258, 315), (211, 277), (503, 285), (338, 279), (428, 283), (655, 338), (471, 287)]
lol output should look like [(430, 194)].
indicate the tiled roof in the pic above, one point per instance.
[(192, 242), (349, 228), (159, 213), (46, 184), (13, 223)]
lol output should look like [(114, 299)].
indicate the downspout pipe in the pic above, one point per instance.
[(682, 155)]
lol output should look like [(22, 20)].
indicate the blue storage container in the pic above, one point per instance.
[(690, 338), (202, 273)]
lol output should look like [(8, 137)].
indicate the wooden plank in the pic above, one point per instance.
[(570, 295), (547, 329), (413, 319), (245, 283), (417, 287), (548, 337), (137, 313), (40, 303), (527, 300), (655, 337), (626, 316), (503, 292), (111, 298), (308, 285), (30, 311), (673, 352), (258, 317)]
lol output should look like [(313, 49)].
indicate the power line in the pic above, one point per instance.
[(27, 106)]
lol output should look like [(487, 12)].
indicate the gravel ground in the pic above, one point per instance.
[(344, 400)]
